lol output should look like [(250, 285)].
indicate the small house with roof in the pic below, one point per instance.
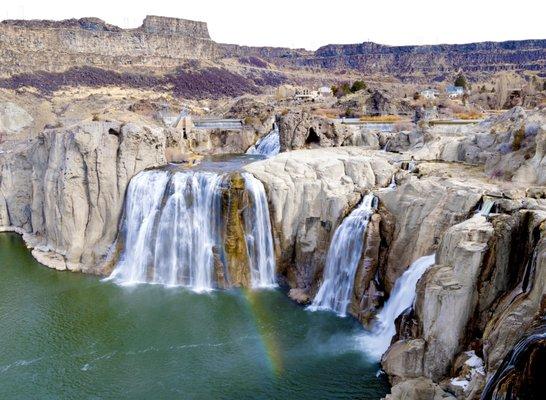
[(454, 91), (430, 94)]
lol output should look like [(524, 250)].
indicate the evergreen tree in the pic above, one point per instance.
[(461, 81)]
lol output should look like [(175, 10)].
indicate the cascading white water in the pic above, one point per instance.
[(392, 185), (486, 207), (188, 230), (259, 240), (378, 340), (342, 259), (144, 197), (173, 223), (170, 244), (268, 146)]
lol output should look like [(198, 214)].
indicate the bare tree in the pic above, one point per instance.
[(501, 90)]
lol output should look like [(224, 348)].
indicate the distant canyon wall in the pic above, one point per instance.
[(165, 43)]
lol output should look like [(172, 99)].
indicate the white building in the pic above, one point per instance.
[(305, 93), (430, 93), (325, 91), (454, 91)]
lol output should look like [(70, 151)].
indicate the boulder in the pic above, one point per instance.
[(13, 118), (418, 389)]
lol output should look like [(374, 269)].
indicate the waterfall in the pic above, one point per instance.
[(259, 239), (392, 185), (521, 372), (174, 225), (342, 259), (403, 294), (486, 207), (187, 231), (143, 204), (267, 146)]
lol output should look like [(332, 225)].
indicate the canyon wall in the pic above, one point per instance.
[(160, 43), (163, 44), (65, 192)]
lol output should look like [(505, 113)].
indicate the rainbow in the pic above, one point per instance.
[(263, 319)]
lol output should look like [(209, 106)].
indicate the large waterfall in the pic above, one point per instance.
[(342, 259), (175, 226), (267, 146), (403, 294)]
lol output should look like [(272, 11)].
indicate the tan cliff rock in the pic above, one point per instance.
[(67, 190), (422, 210), (488, 287), (300, 129)]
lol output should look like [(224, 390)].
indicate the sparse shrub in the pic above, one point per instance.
[(250, 120), (340, 91), (416, 96), (518, 138)]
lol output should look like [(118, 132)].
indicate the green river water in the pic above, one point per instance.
[(69, 336)]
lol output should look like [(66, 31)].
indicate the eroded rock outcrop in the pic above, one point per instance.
[(485, 291), (511, 146), (300, 129), (66, 191), (422, 210)]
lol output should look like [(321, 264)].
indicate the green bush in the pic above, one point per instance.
[(357, 86)]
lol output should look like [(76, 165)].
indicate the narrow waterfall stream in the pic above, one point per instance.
[(259, 241), (185, 228), (486, 207), (267, 146), (342, 259), (378, 340)]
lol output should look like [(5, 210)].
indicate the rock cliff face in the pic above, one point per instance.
[(432, 60), (56, 47), (300, 129), (163, 44), (484, 293), (422, 210), (66, 191)]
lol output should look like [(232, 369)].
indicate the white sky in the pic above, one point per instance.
[(313, 23)]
